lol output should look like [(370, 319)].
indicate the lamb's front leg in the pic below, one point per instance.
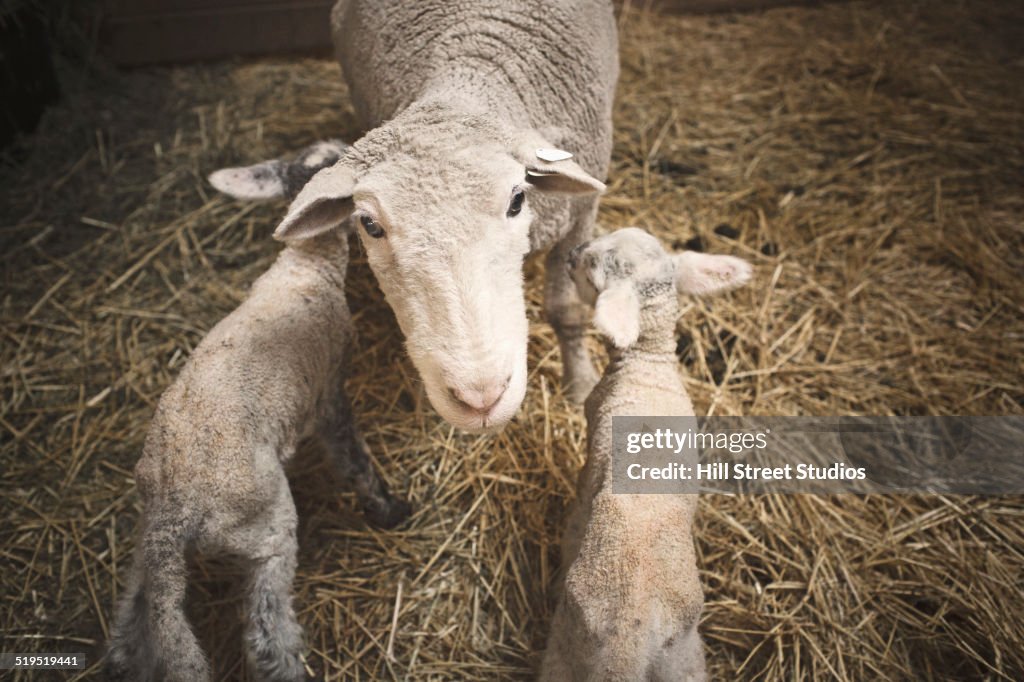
[(566, 314), (348, 453)]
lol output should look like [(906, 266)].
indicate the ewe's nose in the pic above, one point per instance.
[(480, 398)]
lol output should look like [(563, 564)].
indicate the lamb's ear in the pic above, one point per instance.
[(551, 169), (701, 274), (259, 182), (617, 314), (323, 204), (278, 178)]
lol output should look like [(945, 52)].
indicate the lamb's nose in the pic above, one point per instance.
[(480, 398)]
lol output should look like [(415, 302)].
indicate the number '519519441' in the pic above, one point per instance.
[(41, 661)]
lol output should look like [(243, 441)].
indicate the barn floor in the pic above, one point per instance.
[(867, 156)]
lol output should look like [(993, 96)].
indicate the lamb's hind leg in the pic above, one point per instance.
[(176, 654), (129, 639), (564, 311), (273, 636), (348, 453)]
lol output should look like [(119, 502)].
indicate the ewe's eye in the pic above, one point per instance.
[(372, 227), (515, 206)]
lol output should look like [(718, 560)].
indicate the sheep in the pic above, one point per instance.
[(631, 598), (211, 476), (470, 108)]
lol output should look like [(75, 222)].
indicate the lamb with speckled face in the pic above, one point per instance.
[(211, 476), (491, 129), (631, 597)]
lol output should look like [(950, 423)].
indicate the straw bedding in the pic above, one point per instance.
[(866, 156)]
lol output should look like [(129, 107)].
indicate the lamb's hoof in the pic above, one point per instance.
[(388, 513)]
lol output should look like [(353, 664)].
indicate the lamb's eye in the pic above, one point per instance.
[(372, 227), (515, 206)]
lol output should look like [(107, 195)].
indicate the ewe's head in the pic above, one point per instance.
[(444, 214), (623, 272)]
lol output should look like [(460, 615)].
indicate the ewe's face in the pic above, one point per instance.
[(441, 204), (446, 240), (629, 254)]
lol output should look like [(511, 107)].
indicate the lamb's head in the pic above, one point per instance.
[(444, 215), (627, 272)]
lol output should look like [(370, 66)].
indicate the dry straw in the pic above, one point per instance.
[(866, 156)]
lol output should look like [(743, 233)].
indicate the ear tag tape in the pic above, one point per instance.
[(552, 154)]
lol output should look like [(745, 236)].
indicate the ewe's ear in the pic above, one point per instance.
[(323, 204), (701, 274), (617, 314), (550, 169)]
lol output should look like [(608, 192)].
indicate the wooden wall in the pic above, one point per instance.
[(160, 31), (156, 31)]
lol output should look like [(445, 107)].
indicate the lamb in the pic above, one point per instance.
[(211, 476), (470, 107), (631, 597)]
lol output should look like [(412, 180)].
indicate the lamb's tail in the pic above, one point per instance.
[(278, 178), (151, 638)]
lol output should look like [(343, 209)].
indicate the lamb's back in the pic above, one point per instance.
[(256, 384)]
